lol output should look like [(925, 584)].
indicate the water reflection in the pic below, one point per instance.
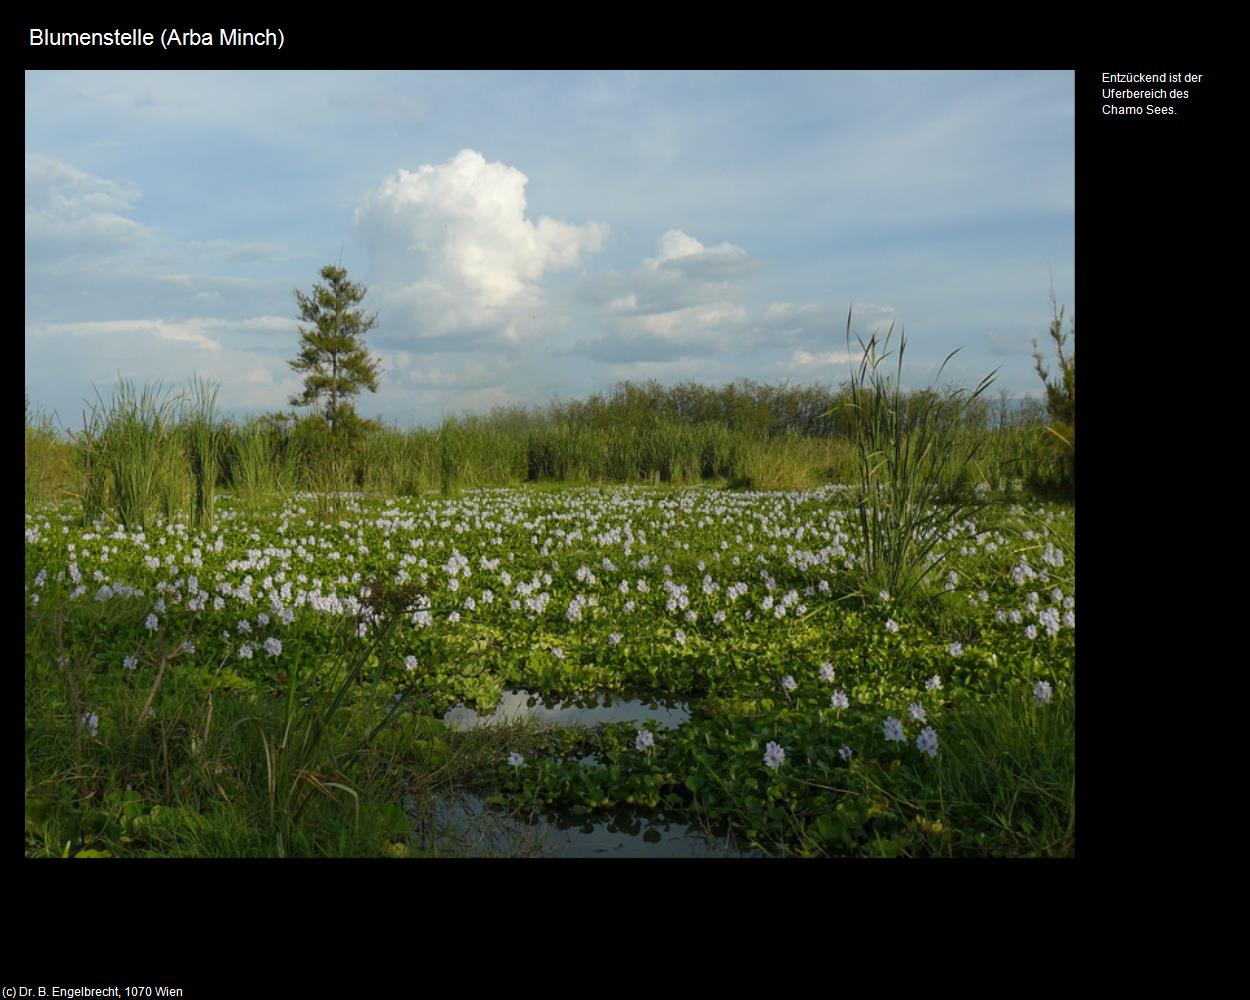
[(522, 705), (480, 831)]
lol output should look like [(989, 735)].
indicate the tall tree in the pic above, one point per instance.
[(333, 357)]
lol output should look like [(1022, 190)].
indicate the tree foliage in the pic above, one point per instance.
[(333, 357)]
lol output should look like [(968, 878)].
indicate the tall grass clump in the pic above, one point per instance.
[(131, 438), (46, 465), (203, 439), (252, 469), (913, 468)]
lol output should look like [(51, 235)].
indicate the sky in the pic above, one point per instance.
[(528, 236)]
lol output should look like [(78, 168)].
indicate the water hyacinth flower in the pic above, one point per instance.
[(558, 653), (130, 662), (645, 740), (957, 649), (151, 623), (916, 712), (91, 722), (826, 671), (934, 683), (773, 755), (839, 699), (789, 683), (245, 651), (410, 663), (273, 646), (927, 741), (891, 625), (894, 730), (1042, 692), (1031, 631), (614, 638), (680, 636), (845, 752), (515, 760)]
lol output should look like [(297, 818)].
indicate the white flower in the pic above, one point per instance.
[(514, 759), (885, 596), (130, 662), (410, 663), (956, 649), (891, 625), (644, 739), (273, 646), (789, 683), (845, 752), (916, 712), (934, 683), (894, 730), (454, 617), (614, 638), (773, 755), (1042, 693), (927, 741), (826, 671), (839, 699)]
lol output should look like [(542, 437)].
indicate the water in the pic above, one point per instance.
[(521, 705), (480, 831), (471, 827)]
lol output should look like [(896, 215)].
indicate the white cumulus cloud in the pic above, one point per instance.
[(453, 252)]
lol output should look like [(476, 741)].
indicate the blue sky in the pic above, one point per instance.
[(529, 235)]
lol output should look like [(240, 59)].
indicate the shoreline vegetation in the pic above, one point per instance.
[(148, 447), (243, 637)]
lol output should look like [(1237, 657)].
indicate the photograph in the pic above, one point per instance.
[(537, 464)]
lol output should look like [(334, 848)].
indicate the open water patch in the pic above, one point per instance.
[(478, 830), (522, 705)]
